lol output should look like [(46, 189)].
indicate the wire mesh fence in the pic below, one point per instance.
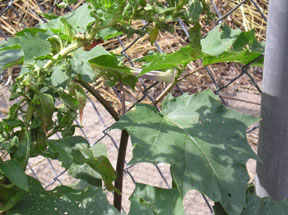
[(96, 127)]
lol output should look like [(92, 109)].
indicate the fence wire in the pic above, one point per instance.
[(10, 7)]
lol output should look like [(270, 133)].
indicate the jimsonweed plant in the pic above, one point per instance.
[(203, 141)]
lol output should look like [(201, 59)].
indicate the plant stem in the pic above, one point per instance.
[(191, 73), (120, 169), (171, 85), (121, 157), (103, 101), (168, 88), (64, 52), (78, 43)]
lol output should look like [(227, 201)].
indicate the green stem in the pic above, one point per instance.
[(79, 43), (64, 52), (168, 88)]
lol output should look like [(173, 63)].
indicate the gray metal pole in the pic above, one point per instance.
[(272, 173)]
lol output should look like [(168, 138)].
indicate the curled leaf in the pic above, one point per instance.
[(153, 35), (81, 100)]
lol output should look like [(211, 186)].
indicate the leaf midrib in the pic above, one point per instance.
[(200, 149)]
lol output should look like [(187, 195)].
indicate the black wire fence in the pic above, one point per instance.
[(49, 172)]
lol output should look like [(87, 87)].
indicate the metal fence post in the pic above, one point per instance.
[(272, 172)]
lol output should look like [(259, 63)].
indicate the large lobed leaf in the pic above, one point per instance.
[(152, 200), (265, 206), (62, 200), (204, 142)]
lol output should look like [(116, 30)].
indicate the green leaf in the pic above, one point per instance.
[(244, 57), (194, 11), (80, 64), (33, 31), (34, 46), (265, 206), (109, 66), (81, 100), (10, 57), (218, 209), (67, 28), (80, 19), (50, 16), (216, 42), (65, 146), (248, 38), (204, 142), (195, 38), (10, 196), (165, 62), (63, 200), (11, 43), (153, 35), (108, 62), (13, 123), (68, 100), (152, 200), (44, 109), (84, 171), (59, 78), (108, 33), (15, 173), (76, 150)]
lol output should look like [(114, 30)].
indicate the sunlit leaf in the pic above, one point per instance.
[(168, 61), (59, 77), (109, 66), (216, 42), (34, 46), (80, 64), (80, 18), (240, 57)]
